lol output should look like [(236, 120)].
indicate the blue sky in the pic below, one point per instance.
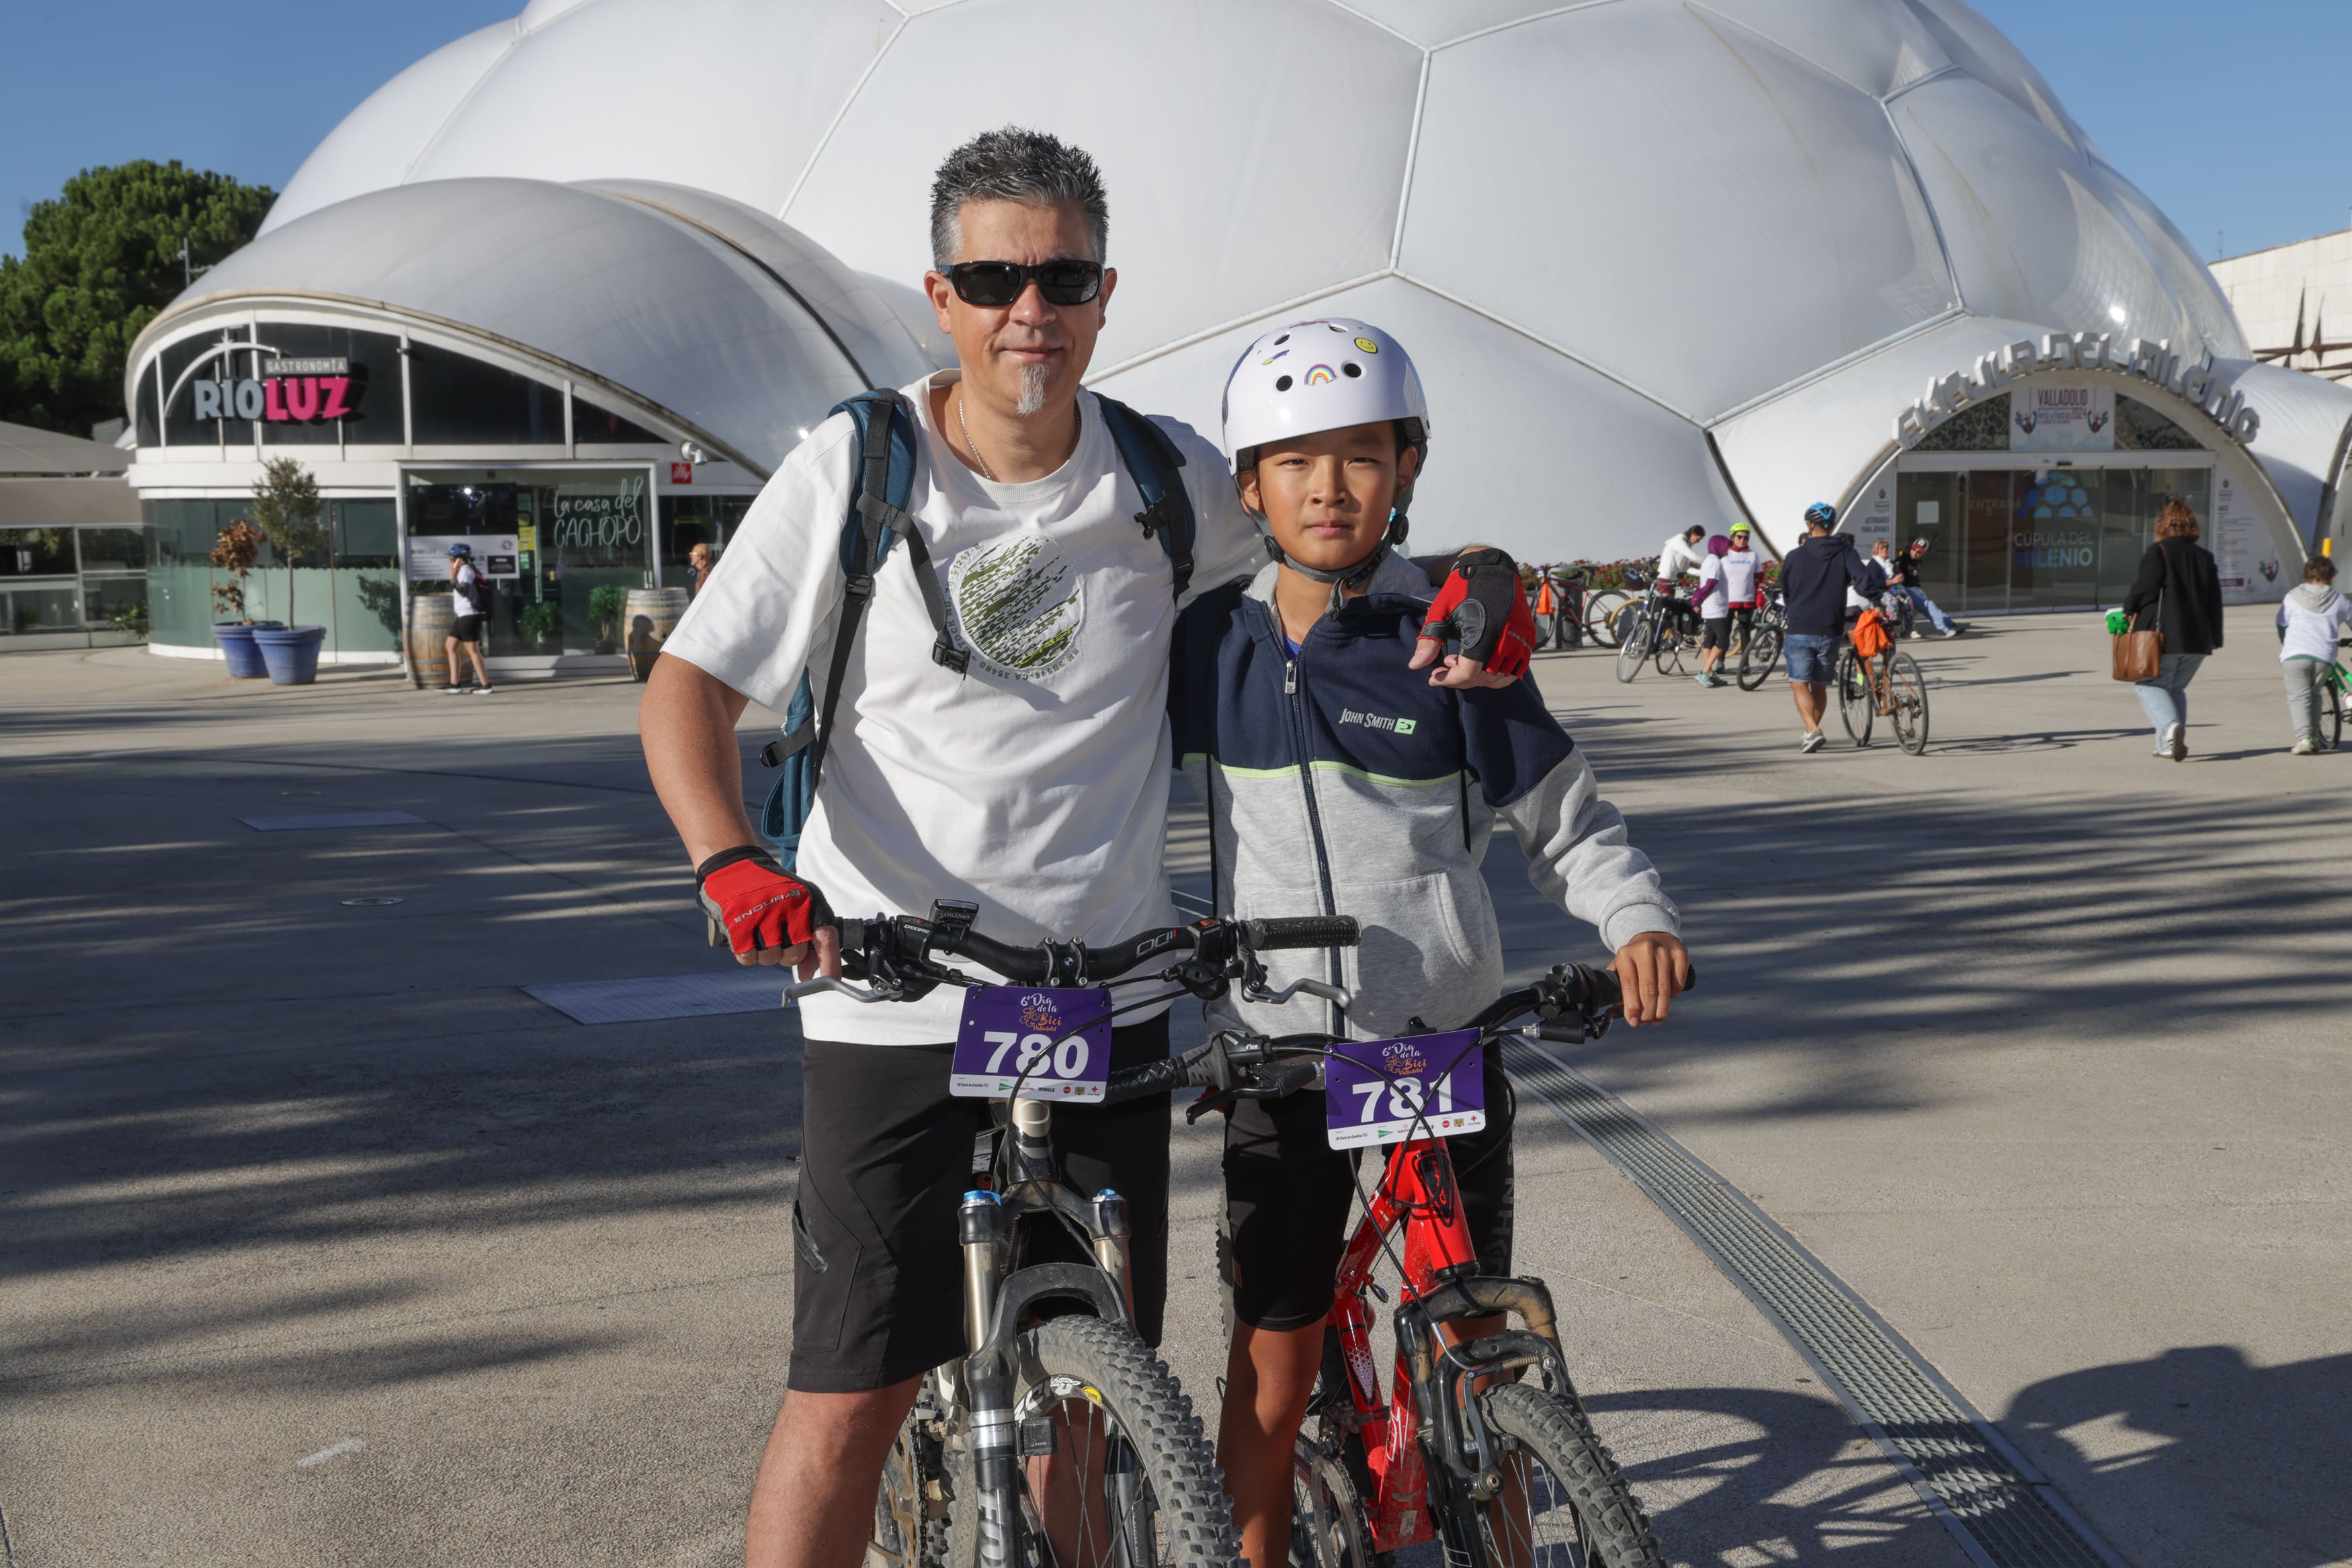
[(2224, 113)]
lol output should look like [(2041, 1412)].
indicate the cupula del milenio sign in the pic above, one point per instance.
[(2152, 362)]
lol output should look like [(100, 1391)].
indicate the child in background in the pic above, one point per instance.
[(2310, 620), (1338, 782)]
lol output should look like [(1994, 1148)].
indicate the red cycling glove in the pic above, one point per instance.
[(756, 902), (1484, 606)]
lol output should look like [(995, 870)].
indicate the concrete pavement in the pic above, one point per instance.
[(323, 1243)]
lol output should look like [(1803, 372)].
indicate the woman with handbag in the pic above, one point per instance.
[(2175, 603)]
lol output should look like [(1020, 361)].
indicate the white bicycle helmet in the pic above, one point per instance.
[(1325, 375)]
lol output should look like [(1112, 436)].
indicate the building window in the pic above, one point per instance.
[(456, 400), (1979, 427), (2139, 428), (182, 427), (335, 384), (603, 427)]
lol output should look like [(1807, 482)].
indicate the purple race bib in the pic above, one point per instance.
[(1389, 1090), (1014, 1034)]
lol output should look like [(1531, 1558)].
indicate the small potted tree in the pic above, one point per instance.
[(235, 551), (605, 603), (542, 620), (286, 508)]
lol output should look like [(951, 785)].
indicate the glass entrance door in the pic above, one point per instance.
[(583, 538), (2037, 538)]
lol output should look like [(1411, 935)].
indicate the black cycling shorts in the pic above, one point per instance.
[(467, 629), (1289, 1194), (886, 1159), (1716, 632)]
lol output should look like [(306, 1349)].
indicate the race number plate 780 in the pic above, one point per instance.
[(1016, 1034), (1389, 1090)]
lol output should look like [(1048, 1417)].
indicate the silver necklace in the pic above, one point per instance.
[(968, 442)]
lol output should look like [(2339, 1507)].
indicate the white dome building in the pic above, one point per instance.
[(1661, 261)]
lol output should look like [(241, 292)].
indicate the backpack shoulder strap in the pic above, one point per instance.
[(1152, 461), (876, 518)]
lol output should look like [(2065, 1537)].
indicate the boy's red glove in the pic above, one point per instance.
[(1482, 605), (757, 903)]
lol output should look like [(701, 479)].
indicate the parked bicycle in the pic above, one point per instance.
[(1657, 630), (1890, 684), (1058, 1439), (1759, 650), (1503, 1473)]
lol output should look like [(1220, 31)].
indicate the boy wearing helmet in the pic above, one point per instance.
[(1338, 783)]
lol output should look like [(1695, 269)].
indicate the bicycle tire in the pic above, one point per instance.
[(1908, 690), (1102, 1371), (1598, 611), (1669, 656), (1622, 620), (910, 1524), (1633, 647), (1759, 654), (1855, 705), (1581, 1513), (1328, 1529), (2336, 691)]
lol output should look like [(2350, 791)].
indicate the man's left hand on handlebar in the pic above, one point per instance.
[(1653, 969)]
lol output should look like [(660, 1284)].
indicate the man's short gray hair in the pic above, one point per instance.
[(1009, 165)]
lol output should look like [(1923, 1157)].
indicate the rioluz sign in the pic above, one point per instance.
[(2154, 363), (288, 392)]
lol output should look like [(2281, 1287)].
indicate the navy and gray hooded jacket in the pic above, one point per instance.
[(1340, 782)]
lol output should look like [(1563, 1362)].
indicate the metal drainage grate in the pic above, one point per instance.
[(2004, 1513), (706, 993)]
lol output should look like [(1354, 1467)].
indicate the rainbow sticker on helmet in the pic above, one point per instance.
[(1318, 374), (1368, 345)]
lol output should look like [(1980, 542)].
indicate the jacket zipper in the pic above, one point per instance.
[(1314, 814)]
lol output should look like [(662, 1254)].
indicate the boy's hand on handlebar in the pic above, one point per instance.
[(1653, 969)]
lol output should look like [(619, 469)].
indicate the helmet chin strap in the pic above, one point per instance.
[(1345, 577)]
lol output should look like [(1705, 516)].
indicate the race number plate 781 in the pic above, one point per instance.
[(1390, 1090)]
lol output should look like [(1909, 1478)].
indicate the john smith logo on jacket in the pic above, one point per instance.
[(1374, 721)]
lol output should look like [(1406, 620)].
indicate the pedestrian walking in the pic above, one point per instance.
[(2177, 595), (697, 568), (2310, 620), (1815, 580), (471, 590)]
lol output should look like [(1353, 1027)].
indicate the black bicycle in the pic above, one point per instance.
[(1061, 1437), (1759, 650), (1663, 625)]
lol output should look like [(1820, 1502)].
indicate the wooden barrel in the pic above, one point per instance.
[(648, 618), (427, 649)]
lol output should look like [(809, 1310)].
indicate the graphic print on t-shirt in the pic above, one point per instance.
[(1011, 605)]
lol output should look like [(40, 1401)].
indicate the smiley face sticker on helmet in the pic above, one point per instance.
[(1368, 346)]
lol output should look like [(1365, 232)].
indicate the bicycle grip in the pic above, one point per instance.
[(1302, 931)]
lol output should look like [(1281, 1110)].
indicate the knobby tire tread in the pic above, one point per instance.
[(1142, 1396), (1553, 1427)]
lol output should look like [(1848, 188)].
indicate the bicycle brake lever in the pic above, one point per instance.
[(840, 987), (1341, 994)]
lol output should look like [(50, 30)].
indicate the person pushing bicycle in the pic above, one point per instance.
[(1338, 783)]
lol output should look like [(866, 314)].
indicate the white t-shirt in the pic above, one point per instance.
[(1739, 568), (1712, 604), (1034, 784), (468, 589)]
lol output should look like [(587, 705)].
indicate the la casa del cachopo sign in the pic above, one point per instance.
[(2155, 363), (288, 392)]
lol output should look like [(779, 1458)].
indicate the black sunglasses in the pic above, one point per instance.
[(995, 284)]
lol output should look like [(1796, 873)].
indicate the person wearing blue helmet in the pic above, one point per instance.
[(471, 591), (1813, 583)]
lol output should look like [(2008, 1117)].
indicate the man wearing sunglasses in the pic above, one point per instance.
[(1034, 782)]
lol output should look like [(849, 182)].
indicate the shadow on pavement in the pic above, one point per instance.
[(2143, 1437)]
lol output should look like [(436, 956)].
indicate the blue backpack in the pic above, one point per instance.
[(885, 464)]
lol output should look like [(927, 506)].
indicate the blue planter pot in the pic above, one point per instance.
[(291, 653), (244, 660)]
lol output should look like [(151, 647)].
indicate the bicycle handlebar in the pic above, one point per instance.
[(1573, 1002), (1302, 931)]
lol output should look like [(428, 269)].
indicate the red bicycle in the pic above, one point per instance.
[(1505, 1473)]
